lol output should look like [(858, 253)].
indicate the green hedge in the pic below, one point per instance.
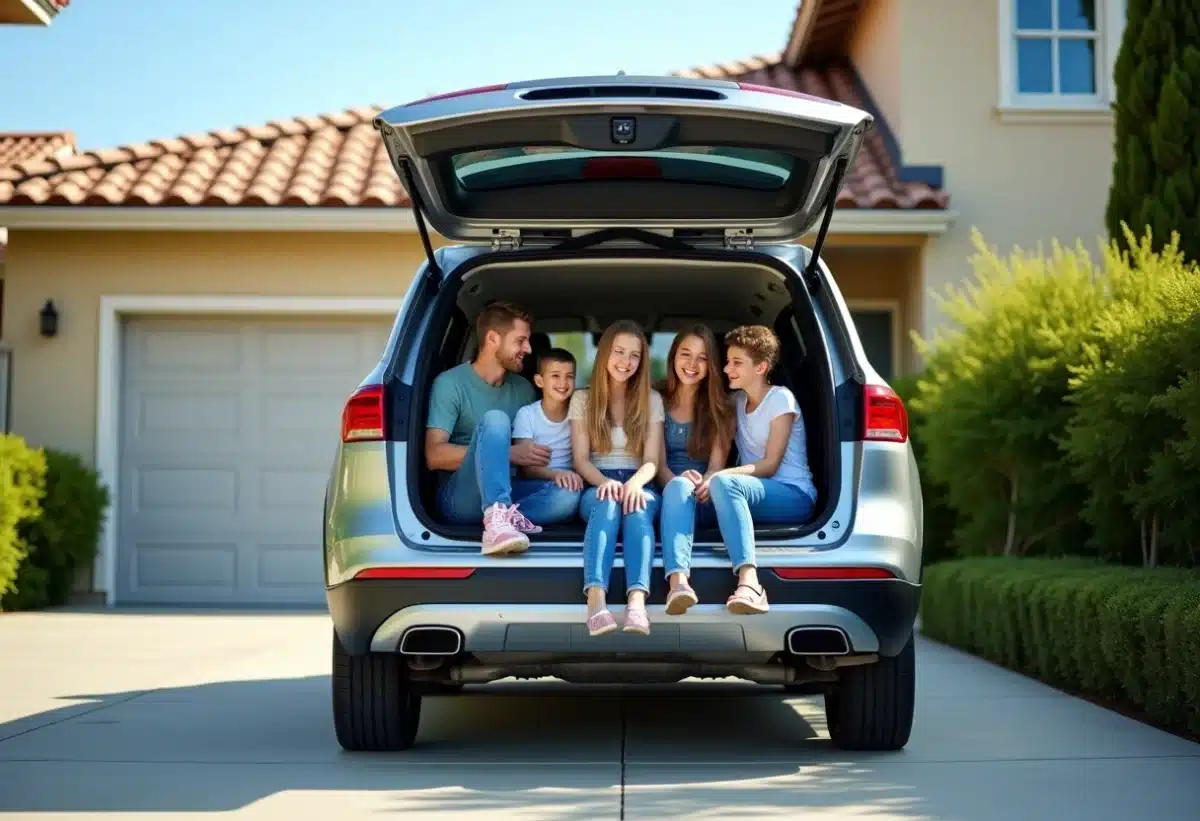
[(22, 485), (1124, 634), (52, 508)]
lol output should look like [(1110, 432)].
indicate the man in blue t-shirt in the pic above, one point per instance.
[(468, 436)]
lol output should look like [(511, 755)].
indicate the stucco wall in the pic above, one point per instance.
[(54, 380), (937, 63)]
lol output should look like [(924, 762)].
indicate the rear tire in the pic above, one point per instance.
[(871, 708), (374, 706)]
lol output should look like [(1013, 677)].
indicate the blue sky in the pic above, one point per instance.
[(120, 71)]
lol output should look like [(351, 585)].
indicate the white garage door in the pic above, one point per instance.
[(228, 431)]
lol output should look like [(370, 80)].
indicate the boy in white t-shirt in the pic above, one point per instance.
[(551, 493), (772, 482)]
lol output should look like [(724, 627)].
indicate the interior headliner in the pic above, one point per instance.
[(590, 294)]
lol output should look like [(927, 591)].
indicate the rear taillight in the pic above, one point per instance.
[(362, 418), (462, 93), (415, 573), (825, 573), (785, 92), (884, 416)]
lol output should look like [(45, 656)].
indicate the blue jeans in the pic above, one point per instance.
[(484, 478), (740, 501), (604, 519), (681, 515)]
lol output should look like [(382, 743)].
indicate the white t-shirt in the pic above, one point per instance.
[(619, 458), (754, 429), (531, 423)]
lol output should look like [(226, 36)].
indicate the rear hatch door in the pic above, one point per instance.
[(548, 159)]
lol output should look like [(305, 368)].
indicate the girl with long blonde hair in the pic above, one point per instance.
[(616, 441), (698, 434)]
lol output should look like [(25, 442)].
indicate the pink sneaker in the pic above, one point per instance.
[(500, 535), (521, 523)]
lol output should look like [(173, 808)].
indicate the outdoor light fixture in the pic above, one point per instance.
[(49, 317)]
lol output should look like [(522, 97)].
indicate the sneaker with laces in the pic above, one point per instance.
[(500, 534), (522, 524)]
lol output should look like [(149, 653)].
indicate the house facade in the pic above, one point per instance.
[(218, 295)]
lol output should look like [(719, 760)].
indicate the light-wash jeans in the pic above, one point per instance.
[(604, 519), (681, 515), (740, 501), (484, 478)]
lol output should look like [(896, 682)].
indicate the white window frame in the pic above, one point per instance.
[(1110, 24)]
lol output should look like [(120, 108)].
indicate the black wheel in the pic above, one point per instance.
[(871, 708), (374, 708)]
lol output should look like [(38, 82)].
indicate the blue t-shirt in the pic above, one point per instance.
[(461, 397)]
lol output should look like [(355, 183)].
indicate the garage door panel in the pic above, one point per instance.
[(229, 428)]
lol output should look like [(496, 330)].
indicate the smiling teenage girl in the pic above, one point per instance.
[(616, 435), (698, 432)]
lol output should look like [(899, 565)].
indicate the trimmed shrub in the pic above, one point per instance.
[(22, 485), (1120, 633), (990, 403), (63, 537)]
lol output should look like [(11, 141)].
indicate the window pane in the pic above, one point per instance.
[(1033, 14), (1034, 72), (1077, 66), (875, 333), (1077, 15)]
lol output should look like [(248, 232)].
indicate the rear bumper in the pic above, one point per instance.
[(524, 609)]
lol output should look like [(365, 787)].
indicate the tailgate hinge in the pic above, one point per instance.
[(740, 239), (506, 239)]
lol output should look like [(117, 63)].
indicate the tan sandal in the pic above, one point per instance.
[(753, 603)]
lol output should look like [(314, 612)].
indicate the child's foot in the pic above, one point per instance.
[(681, 597), (636, 619), (747, 600), (500, 534), (601, 622)]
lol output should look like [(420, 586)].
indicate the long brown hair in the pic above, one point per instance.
[(713, 417), (637, 394)]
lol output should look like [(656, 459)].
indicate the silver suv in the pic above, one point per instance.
[(586, 200)]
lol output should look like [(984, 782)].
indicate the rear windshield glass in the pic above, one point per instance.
[(752, 168)]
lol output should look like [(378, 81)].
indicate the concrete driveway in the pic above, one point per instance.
[(173, 715)]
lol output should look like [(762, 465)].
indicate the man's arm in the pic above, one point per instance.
[(439, 453)]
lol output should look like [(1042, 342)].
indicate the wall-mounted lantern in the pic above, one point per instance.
[(49, 319)]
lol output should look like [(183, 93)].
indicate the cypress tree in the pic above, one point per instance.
[(1156, 166)]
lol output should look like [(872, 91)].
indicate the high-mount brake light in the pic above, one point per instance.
[(884, 416), (362, 417)]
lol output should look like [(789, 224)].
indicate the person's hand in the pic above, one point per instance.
[(611, 489), (703, 490), (529, 454), (633, 498), (568, 480), (693, 476)]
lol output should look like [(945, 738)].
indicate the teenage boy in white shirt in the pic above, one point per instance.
[(772, 482)]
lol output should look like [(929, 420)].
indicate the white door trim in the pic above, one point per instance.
[(113, 311), (892, 306)]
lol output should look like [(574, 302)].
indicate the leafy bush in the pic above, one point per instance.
[(64, 537), (990, 403), (1120, 633), (22, 485), (1131, 439)]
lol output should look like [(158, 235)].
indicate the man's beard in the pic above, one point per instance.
[(512, 363)]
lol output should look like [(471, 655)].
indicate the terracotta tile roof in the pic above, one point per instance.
[(337, 160), (20, 147), (873, 181), (333, 160)]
